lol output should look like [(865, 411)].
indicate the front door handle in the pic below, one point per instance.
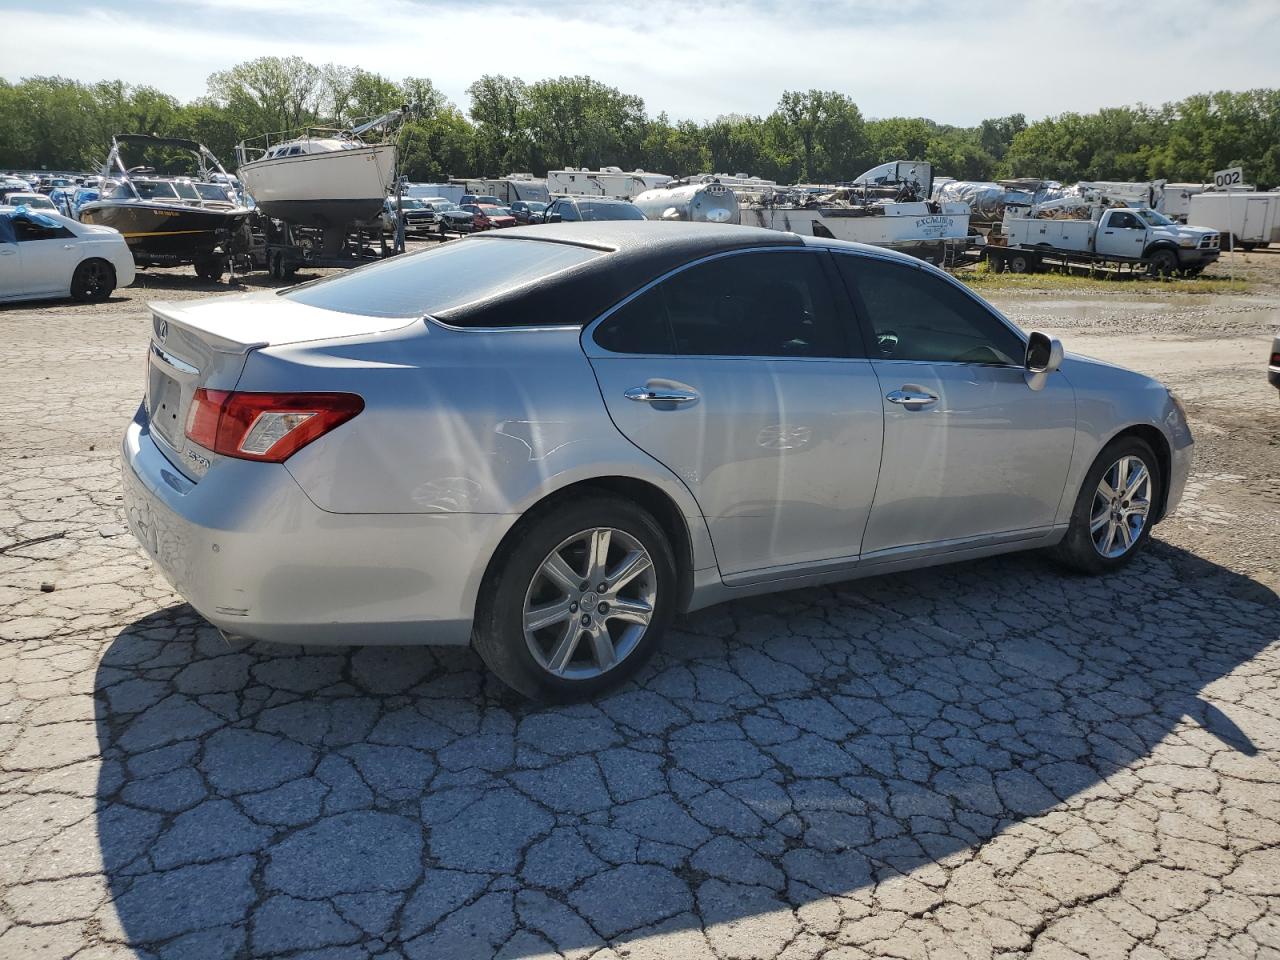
[(660, 395), (7, 251), (68, 246), (911, 397)]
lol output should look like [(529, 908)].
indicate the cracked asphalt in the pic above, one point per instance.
[(984, 760)]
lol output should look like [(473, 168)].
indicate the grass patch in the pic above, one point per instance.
[(982, 277)]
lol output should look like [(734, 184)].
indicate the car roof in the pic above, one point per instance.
[(636, 252)]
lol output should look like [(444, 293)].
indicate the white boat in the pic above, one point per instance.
[(321, 178), (321, 182), (885, 207)]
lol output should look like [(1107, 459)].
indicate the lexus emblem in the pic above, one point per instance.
[(162, 329)]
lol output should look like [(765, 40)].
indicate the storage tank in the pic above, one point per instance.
[(698, 202)]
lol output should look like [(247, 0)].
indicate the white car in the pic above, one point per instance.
[(33, 201), (44, 255)]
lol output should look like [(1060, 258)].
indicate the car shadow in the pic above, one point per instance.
[(262, 800)]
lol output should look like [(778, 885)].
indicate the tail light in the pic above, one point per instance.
[(265, 426)]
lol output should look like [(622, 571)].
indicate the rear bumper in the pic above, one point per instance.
[(257, 558)]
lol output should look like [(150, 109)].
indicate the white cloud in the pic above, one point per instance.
[(953, 63)]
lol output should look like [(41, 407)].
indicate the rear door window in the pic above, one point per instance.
[(763, 304), (448, 276), (770, 304)]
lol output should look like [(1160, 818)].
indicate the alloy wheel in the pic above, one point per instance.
[(590, 603), (1121, 505), (95, 280)]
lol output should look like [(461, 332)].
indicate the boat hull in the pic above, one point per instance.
[(331, 189), (880, 231), (165, 233)]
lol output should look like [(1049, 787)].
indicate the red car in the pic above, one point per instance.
[(488, 217)]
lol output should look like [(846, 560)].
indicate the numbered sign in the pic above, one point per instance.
[(1228, 178)]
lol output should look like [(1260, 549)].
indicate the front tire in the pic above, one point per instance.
[(580, 600), (93, 281), (1114, 510), (1163, 263)]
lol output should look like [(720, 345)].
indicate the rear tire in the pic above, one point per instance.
[(594, 639), (93, 281), (1104, 533), (1021, 263)]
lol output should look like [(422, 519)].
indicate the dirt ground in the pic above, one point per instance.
[(982, 760)]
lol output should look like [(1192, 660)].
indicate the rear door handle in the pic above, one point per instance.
[(660, 395), (910, 398)]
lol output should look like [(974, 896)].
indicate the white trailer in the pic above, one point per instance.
[(1251, 219), (422, 191), (508, 189), (605, 182)]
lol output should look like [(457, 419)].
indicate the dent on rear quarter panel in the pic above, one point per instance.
[(455, 421)]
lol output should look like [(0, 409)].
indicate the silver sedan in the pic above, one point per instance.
[(549, 441)]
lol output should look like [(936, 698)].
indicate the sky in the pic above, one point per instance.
[(952, 62)]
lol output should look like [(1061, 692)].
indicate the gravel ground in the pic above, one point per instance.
[(984, 760)]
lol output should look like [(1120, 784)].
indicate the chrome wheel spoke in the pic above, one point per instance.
[(632, 611), (1126, 533), (598, 562), (602, 643), (1105, 490), (556, 569), (1135, 482), (1099, 521), (537, 618), (1139, 508), (633, 564), (565, 647)]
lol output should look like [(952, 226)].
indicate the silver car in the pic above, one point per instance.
[(548, 441)]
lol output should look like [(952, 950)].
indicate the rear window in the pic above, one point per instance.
[(418, 284)]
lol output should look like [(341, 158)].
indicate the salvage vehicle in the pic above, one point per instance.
[(1273, 368), (1117, 235), (548, 441), (590, 210), (528, 211), (44, 255)]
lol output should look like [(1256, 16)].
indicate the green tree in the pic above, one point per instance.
[(828, 131)]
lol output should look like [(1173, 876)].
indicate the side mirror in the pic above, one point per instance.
[(1044, 355)]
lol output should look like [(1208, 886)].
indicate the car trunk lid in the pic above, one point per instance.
[(206, 344)]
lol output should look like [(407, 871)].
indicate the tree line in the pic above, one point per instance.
[(814, 136)]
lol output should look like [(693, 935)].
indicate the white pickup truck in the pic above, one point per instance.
[(1119, 235)]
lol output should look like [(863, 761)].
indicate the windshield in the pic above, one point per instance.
[(444, 205), (37, 201), (1155, 219), (418, 284), (535, 206), (154, 189), (408, 203), (212, 191), (186, 190), (593, 210)]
